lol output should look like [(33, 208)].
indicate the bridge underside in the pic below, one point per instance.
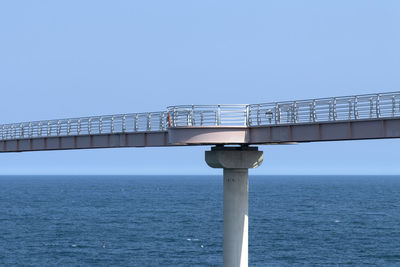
[(181, 136)]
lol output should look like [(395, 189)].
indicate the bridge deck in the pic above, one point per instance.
[(372, 116)]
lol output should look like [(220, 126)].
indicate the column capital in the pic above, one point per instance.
[(243, 157)]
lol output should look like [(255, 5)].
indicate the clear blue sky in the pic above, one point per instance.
[(76, 58)]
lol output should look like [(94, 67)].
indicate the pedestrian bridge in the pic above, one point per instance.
[(370, 116)]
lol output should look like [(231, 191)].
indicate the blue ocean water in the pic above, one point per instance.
[(177, 220)]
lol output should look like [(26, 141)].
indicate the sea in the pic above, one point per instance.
[(177, 220)]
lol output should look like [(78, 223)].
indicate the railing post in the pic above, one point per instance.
[(219, 115), (247, 121), (314, 104), (112, 124), (148, 121), (378, 108), (21, 131), (124, 123), (101, 125), (90, 125), (58, 127), (258, 115), (295, 112), (40, 129), (30, 130), (201, 118), (162, 120), (79, 127), (312, 111), (350, 109), (192, 122), (277, 114), (135, 123), (48, 128), (334, 109), (356, 108), (68, 127), (371, 108), (174, 118), (393, 106)]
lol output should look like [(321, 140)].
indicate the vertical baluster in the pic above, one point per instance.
[(277, 113), (258, 114), (148, 121), (330, 110), (21, 131), (68, 127), (356, 108), (90, 125), (314, 104), (135, 123), (101, 124), (288, 113), (40, 129), (79, 126), (378, 108), (58, 128), (174, 118), (247, 119), (334, 109), (192, 123), (350, 109), (201, 118), (219, 115), (112, 124), (371, 108), (295, 112), (124, 123), (30, 130), (393, 106), (48, 128), (162, 121)]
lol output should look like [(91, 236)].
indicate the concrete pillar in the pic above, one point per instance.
[(235, 161)]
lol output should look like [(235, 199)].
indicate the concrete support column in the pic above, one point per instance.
[(235, 161)]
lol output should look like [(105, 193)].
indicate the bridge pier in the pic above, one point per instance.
[(235, 161)]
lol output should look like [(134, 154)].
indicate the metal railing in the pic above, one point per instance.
[(371, 106), (109, 124), (346, 108), (208, 115)]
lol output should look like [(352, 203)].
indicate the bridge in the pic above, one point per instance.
[(231, 129), (369, 116)]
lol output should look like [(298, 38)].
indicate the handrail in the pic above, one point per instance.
[(343, 108), (108, 124)]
